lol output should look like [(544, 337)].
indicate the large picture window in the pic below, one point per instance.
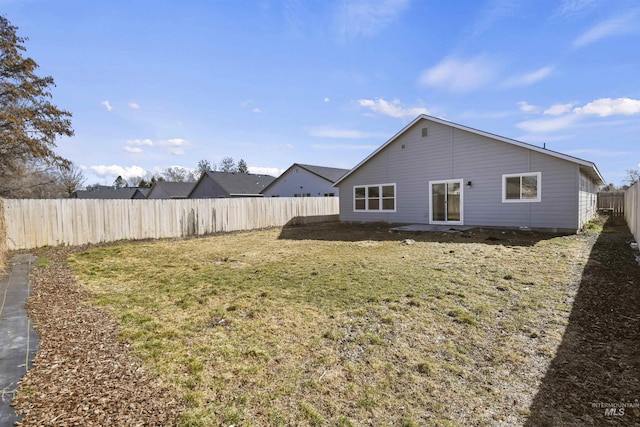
[(380, 197), (524, 187)]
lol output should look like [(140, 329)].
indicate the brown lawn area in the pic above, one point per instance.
[(338, 325)]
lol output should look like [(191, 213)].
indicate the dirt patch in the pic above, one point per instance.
[(594, 378), (83, 374)]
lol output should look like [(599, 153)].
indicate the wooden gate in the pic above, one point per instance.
[(611, 202)]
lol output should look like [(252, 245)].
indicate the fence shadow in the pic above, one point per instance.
[(354, 232), (594, 378)]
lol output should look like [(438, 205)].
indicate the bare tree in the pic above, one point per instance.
[(205, 166), (179, 174), (228, 165), (70, 179), (632, 176), (34, 180)]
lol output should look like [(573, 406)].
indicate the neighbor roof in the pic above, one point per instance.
[(236, 183), (586, 166), (105, 193), (173, 190), (329, 174)]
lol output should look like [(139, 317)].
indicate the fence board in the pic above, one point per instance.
[(52, 222), (613, 202), (632, 209)]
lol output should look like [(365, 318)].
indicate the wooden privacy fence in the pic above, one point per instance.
[(3, 240), (51, 222), (632, 209), (611, 202)]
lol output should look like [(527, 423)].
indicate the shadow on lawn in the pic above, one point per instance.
[(598, 362), (355, 232)]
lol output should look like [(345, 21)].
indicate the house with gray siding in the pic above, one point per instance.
[(214, 184), (301, 180), (438, 172)]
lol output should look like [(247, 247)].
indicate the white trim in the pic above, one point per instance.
[(583, 163), (446, 181), (538, 198), (366, 198)]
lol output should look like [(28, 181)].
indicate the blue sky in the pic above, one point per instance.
[(153, 84)]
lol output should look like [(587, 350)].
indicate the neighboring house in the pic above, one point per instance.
[(438, 172), (170, 190), (141, 193), (213, 184), (105, 193), (305, 181)]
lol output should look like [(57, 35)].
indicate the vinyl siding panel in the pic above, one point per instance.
[(587, 199), (412, 161), (289, 185), (207, 188)]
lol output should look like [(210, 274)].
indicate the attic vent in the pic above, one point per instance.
[(403, 146), (425, 132)]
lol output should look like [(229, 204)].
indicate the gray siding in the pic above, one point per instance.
[(207, 188), (451, 153), (587, 198), (289, 185)]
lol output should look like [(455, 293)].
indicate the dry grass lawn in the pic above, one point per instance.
[(338, 324)]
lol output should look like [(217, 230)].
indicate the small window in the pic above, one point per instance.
[(425, 132), (521, 187), (375, 198)]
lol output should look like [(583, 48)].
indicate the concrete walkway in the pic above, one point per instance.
[(18, 339)]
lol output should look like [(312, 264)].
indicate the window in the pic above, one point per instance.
[(374, 197), (524, 187)]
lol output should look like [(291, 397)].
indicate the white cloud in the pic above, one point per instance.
[(256, 110), (527, 108), (331, 132), (134, 105), (529, 78), (326, 99), (259, 170), (132, 150), (558, 109), (548, 125), (176, 151), (460, 75), (393, 108), (367, 17), (176, 142), (618, 25), (605, 107), (343, 147), (115, 170), (146, 141), (107, 105), (288, 146)]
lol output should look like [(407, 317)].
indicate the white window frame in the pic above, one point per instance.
[(446, 181), (538, 198), (366, 198)]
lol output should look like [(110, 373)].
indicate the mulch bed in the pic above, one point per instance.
[(83, 374)]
